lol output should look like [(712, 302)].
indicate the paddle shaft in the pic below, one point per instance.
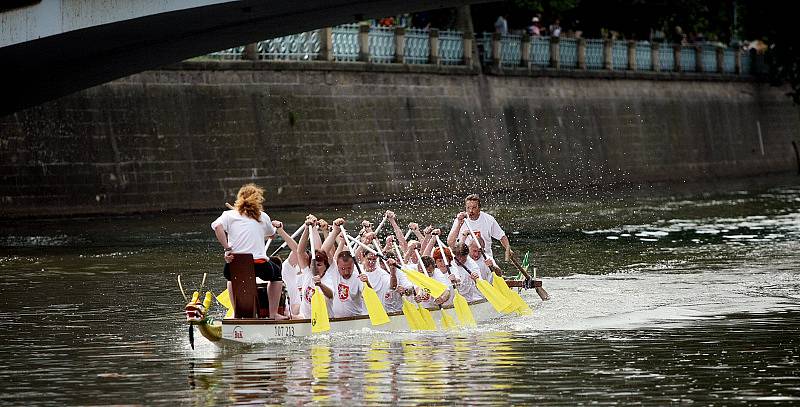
[(380, 225), (294, 235), (471, 232)]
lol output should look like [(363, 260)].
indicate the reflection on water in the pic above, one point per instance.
[(660, 300), (722, 359)]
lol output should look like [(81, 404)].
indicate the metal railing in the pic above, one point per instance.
[(382, 45)]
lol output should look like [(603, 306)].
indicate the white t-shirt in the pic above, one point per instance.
[(486, 227), (380, 281), (245, 235), (466, 286), (291, 278), (486, 273), (347, 298), (307, 287)]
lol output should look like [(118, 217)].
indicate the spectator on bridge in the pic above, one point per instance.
[(501, 25), (535, 29), (555, 28)]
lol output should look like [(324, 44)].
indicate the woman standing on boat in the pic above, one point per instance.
[(244, 229)]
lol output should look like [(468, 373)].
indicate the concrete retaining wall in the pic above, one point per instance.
[(317, 133)]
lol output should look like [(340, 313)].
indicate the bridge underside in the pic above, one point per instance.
[(50, 67)]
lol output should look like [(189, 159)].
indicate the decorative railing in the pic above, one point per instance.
[(298, 47), (619, 55), (229, 54), (666, 57), (383, 45), (594, 54), (688, 60), (417, 47), (644, 56), (345, 42), (568, 55), (540, 51), (451, 47)]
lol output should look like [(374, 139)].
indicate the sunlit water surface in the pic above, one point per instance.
[(681, 298)]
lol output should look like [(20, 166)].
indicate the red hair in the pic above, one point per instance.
[(437, 254)]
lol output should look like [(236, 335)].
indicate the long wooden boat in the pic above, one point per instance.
[(231, 331), (258, 330)]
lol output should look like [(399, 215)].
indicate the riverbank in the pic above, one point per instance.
[(186, 137)]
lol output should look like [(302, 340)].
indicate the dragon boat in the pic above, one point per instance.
[(253, 330)]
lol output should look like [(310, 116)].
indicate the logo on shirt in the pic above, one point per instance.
[(344, 292), (309, 293)]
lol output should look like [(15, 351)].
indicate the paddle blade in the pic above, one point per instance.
[(520, 306), (498, 300), (427, 319), (463, 312), (377, 314), (435, 288), (447, 320), (225, 300), (523, 307), (501, 287), (413, 318), (319, 313)]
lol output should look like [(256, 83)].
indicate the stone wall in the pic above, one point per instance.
[(187, 137)]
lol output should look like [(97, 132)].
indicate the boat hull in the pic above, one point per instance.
[(259, 331)]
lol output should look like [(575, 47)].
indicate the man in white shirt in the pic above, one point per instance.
[(484, 225), (465, 273), (343, 288), (488, 268)]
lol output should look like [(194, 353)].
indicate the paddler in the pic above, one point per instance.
[(463, 271), (244, 229), (484, 225)]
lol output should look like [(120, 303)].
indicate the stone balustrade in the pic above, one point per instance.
[(399, 45)]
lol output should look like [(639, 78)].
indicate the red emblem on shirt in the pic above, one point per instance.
[(309, 293), (344, 292)]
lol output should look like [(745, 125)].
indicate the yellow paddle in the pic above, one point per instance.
[(499, 301), (496, 298), (520, 306), (463, 311), (319, 312), (427, 319), (447, 320), (413, 317), (377, 314), (225, 300), (320, 320)]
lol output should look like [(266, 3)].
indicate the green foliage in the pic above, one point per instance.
[(552, 7)]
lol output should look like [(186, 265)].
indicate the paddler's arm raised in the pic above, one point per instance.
[(398, 233), (324, 228), (303, 261), (453, 235), (330, 241)]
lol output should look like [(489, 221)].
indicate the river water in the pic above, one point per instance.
[(659, 296)]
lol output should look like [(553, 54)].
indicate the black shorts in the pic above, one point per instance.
[(267, 271)]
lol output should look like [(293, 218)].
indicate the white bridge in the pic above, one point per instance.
[(51, 48)]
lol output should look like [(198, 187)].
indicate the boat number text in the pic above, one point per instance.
[(284, 331)]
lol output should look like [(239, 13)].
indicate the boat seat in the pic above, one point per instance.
[(243, 283)]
